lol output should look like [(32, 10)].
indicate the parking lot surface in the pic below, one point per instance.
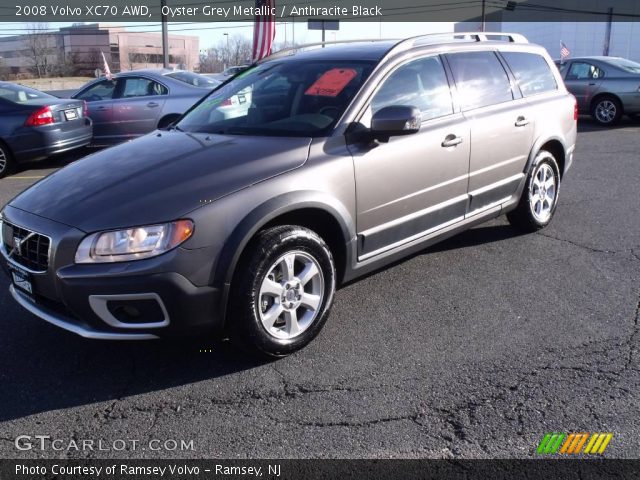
[(474, 348)]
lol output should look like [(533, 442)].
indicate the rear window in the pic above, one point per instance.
[(480, 79), (532, 72), (193, 79), (20, 94)]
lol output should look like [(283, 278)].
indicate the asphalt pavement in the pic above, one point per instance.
[(474, 348)]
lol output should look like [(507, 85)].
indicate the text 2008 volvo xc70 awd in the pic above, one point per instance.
[(348, 157)]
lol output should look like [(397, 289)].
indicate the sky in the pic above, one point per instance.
[(211, 34)]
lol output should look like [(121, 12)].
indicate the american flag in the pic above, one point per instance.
[(564, 51), (107, 71), (264, 29)]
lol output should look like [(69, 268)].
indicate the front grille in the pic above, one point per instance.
[(33, 252)]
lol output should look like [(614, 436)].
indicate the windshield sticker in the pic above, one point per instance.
[(332, 82)]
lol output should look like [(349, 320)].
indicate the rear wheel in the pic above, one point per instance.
[(606, 110), (283, 291), (6, 160), (540, 196)]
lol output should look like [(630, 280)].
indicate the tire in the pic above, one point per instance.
[(7, 163), (606, 110), (532, 212), (282, 291)]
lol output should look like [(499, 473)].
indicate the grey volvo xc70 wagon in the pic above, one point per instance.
[(348, 158)]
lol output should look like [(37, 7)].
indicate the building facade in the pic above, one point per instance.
[(77, 50)]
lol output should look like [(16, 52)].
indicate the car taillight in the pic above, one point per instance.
[(226, 103), (575, 109), (85, 109), (44, 116)]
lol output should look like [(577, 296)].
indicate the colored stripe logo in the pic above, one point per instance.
[(574, 443)]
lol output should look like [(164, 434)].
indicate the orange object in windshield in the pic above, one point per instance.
[(332, 82)]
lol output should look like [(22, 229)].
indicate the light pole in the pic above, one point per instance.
[(228, 55)]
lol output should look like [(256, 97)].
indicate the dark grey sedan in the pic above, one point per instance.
[(34, 125), (605, 87), (137, 102)]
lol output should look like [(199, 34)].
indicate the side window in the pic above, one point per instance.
[(584, 71), (98, 91), (532, 72), (480, 79), (422, 84), (141, 87)]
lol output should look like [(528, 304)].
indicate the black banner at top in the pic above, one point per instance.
[(303, 10)]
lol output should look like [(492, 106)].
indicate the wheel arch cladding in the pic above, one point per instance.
[(320, 213), (552, 145)]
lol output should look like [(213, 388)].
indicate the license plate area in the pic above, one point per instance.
[(71, 114), (21, 279)]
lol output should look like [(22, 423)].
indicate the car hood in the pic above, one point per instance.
[(157, 178)]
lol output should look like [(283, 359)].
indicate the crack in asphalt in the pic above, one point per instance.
[(575, 244), (632, 338)]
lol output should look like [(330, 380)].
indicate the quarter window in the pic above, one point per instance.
[(480, 79), (532, 72), (422, 84)]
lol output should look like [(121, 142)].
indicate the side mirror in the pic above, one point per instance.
[(395, 120)]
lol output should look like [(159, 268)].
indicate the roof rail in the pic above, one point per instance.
[(408, 42), (431, 38)]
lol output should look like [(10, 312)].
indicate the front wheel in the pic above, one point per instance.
[(283, 291), (540, 196)]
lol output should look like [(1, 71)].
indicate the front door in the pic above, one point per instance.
[(415, 184)]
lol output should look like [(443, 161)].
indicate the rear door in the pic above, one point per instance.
[(138, 106), (414, 184), (583, 79), (501, 127)]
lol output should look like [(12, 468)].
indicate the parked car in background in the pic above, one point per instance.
[(34, 125), (605, 87), (229, 72), (138, 102)]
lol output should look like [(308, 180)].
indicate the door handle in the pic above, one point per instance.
[(451, 141), (153, 104), (100, 109), (521, 122)]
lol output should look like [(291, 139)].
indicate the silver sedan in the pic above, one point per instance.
[(605, 87), (137, 102)]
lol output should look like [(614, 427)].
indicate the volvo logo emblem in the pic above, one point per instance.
[(17, 245)]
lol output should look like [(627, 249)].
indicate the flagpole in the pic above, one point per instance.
[(165, 37)]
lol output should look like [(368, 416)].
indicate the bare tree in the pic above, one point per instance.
[(39, 48), (4, 70)]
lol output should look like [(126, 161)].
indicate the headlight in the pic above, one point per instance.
[(133, 243)]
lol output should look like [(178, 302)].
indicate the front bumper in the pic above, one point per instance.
[(75, 297)]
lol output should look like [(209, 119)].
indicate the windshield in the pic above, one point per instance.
[(20, 94), (193, 79), (627, 65), (290, 98)]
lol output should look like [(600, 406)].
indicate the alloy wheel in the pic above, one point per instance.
[(606, 111), (542, 193), (291, 295)]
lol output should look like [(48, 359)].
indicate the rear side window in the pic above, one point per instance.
[(141, 87), (480, 79), (532, 72), (584, 71)]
